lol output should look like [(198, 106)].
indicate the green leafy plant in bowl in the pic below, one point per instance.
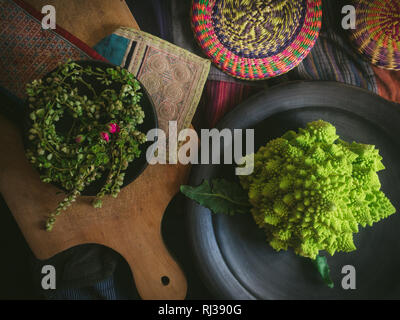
[(83, 127)]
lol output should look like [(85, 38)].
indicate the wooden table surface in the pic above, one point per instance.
[(130, 224)]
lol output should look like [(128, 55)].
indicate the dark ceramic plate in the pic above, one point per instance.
[(137, 166), (233, 257)]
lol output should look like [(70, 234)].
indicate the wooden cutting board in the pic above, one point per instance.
[(130, 224)]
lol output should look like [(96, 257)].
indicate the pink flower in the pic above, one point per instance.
[(114, 128), (105, 136), (80, 138)]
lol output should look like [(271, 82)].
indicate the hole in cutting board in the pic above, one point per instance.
[(165, 280)]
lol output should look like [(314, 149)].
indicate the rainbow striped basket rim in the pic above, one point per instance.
[(259, 40), (377, 33)]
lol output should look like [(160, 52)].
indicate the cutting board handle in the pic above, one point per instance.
[(157, 276)]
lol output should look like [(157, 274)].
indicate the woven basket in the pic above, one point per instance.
[(377, 33), (256, 39)]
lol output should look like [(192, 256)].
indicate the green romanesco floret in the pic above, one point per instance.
[(310, 190)]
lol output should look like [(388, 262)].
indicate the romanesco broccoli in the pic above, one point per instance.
[(311, 190)]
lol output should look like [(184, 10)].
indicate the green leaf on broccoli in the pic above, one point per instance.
[(323, 268), (221, 196)]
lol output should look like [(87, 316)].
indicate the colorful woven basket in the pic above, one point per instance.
[(377, 33), (256, 39)]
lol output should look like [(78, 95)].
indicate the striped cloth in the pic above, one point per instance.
[(219, 97)]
